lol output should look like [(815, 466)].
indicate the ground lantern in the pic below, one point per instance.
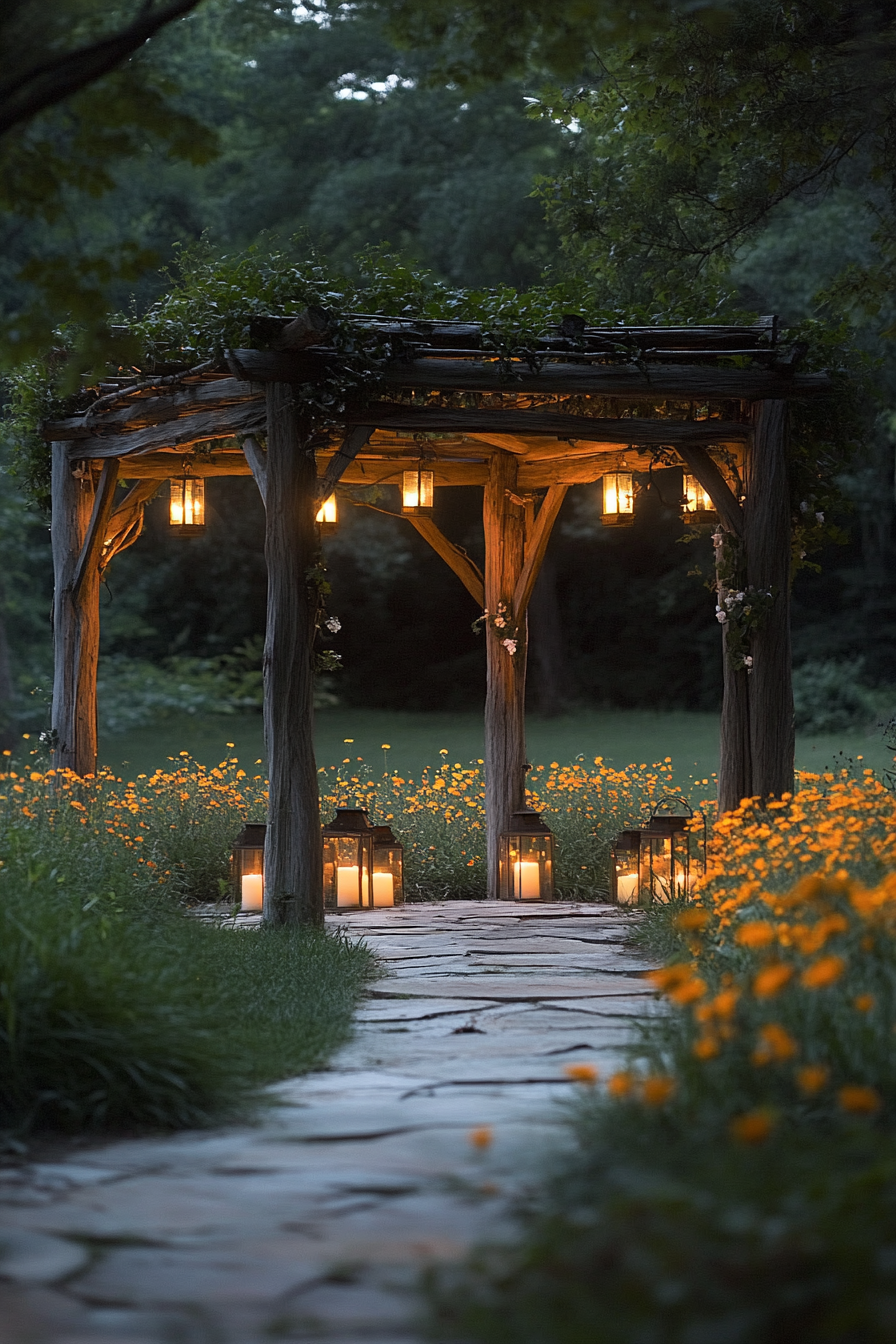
[(625, 860), (526, 859), (388, 868), (247, 866), (348, 860), (655, 862), (618, 499), (186, 506)]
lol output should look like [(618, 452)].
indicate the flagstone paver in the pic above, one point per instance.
[(313, 1223)]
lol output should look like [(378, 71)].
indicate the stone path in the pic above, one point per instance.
[(314, 1223)]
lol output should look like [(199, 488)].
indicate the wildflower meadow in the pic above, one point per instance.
[(736, 1180)]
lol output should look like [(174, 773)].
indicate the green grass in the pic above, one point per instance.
[(622, 737), (117, 1009)]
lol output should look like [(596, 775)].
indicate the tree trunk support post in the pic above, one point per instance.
[(505, 695), (293, 854), (767, 543), (76, 610)]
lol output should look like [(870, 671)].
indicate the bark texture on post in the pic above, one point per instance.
[(76, 620), (505, 695), (735, 763), (293, 862), (767, 542)]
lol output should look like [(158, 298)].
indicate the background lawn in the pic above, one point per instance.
[(622, 737)]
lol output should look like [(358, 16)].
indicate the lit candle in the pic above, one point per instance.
[(383, 889), (526, 881), (252, 891), (627, 888), (347, 885)]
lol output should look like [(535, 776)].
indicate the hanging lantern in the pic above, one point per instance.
[(247, 866), (348, 860), (417, 492), (327, 516), (388, 863), (618, 507), (696, 505), (186, 507), (625, 861), (526, 859)]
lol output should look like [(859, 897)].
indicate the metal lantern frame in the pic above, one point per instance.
[(417, 491), (187, 500), (348, 842), (617, 487), (696, 504), (625, 868), (656, 863), (247, 866), (526, 859), (327, 516), (387, 882)]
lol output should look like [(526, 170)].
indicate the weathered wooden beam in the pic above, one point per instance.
[(344, 456), (615, 380), (163, 466), (138, 412), (767, 541), (257, 462), (76, 621), (511, 443), (505, 694), (524, 425), (221, 422), (92, 548), (293, 855), (536, 545), (126, 522), (454, 558)]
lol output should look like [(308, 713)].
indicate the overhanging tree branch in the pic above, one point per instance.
[(49, 83)]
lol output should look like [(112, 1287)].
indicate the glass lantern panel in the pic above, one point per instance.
[(681, 865), (626, 864), (176, 504), (410, 489), (426, 489), (656, 866), (250, 878), (529, 867), (618, 493), (346, 872), (387, 876), (327, 511)]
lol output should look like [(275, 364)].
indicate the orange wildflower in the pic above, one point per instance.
[(771, 979), (826, 971), (582, 1073), (775, 1044), (811, 1078), (859, 1100), (752, 1126), (706, 1047), (619, 1085), (755, 933), (481, 1137), (657, 1089), (863, 1002), (691, 920)]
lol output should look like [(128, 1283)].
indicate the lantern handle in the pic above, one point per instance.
[(668, 798)]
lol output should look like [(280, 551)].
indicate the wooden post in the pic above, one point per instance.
[(293, 856), (505, 724), (76, 619), (767, 540)]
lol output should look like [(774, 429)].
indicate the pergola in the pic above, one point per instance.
[(585, 401)]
